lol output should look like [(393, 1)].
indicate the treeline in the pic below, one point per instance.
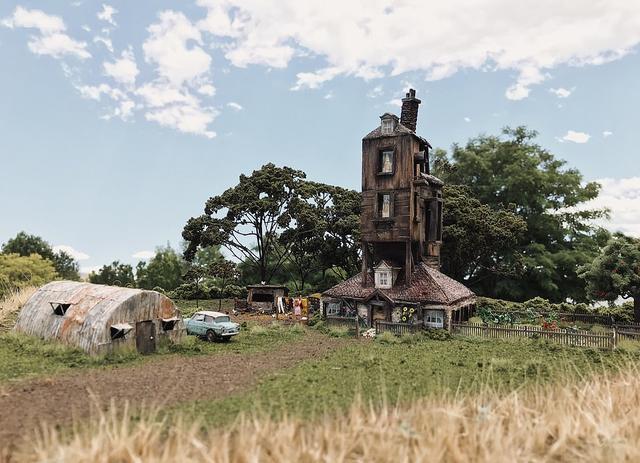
[(516, 227), (30, 260)]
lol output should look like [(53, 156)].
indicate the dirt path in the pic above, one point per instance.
[(59, 399)]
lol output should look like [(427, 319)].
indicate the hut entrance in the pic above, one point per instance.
[(146, 337)]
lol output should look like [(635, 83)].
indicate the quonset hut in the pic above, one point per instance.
[(98, 318), (401, 227)]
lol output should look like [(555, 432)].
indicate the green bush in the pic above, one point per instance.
[(437, 334)]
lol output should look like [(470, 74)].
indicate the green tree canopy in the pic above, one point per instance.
[(164, 270), (615, 272), (478, 240), (116, 273), (512, 172), (18, 271), (25, 244)]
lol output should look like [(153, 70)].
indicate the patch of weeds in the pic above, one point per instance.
[(387, 338), (437, 334)]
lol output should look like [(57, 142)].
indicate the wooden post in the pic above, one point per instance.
[(407, 262), (365, 263), (615, 337), (357, 326)]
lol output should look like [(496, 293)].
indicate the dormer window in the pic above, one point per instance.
[(385, 275), (387, 126), (388, 123)]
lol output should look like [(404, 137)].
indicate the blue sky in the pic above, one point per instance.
[(118, 120)]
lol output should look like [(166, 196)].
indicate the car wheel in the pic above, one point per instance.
[(211, 336)]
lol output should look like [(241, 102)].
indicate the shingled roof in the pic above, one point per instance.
[(428, 286), (399, 129)]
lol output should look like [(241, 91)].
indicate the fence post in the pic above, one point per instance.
[(357, 327), (615, 336)]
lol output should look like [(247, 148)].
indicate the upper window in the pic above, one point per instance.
[(387, 126), (384, 205), (386, 162), (383, 278)]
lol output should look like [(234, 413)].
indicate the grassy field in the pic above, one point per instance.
[(404, 370), (570, 421), (23, 356)]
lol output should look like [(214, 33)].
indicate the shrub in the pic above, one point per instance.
[(437, 334), (387, 338)]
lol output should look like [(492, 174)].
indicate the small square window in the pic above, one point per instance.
[(386, 162)]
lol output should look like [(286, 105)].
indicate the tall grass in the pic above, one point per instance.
[(591, 419), (11, 305)]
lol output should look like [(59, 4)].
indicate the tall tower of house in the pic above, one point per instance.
[(401, 221)]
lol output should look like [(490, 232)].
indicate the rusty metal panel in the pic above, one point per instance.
[(94, 308)]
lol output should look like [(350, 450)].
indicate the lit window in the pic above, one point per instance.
[(386, 162), (387, 126), (384, 205)]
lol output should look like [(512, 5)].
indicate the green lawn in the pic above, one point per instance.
[(401, 371), (23, 356)]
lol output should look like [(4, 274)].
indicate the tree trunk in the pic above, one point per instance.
[(636, 308)]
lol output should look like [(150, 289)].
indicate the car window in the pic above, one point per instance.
[(208, 319), (198, 317), (222, 319)]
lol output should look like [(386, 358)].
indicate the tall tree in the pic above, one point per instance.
[(224, 273), (478, 240), (615, 272), (512, 172), (248, 218), (18, 271), (164, 270), (25, 244), (116, 273)]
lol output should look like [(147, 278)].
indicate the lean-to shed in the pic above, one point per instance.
[(99, 318)]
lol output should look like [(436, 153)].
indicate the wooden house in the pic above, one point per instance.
[(401, 226), (264, 297)]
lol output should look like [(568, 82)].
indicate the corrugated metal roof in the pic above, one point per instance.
[(92, 310)]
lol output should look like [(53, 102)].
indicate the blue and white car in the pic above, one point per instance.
[(213, 326)]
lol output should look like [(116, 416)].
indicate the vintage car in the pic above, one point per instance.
[(213, 326)]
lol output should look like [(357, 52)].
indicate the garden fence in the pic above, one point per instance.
[(396, 328), (341, 322), (565, 337), (570, 317)]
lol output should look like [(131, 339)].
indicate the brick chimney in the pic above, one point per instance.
[(409, 114)]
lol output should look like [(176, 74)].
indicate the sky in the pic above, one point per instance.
[(118, 120)]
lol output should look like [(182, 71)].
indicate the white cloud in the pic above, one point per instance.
[(144, 255), (375, 92), (207, 89), (607, 133), (562, 92), (123, 69), (235, 106), (89, 269), (106, 41), (173, 46), (185, 118), (467, 119), (183, 68), (107, 14), (77, 255), (367, 38), (51, 40), (622, 197), (395, 102), (575, 137)]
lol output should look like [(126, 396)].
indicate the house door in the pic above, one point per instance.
[(146, 337)]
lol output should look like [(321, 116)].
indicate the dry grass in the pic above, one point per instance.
[(11, 305), (590, 420)]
